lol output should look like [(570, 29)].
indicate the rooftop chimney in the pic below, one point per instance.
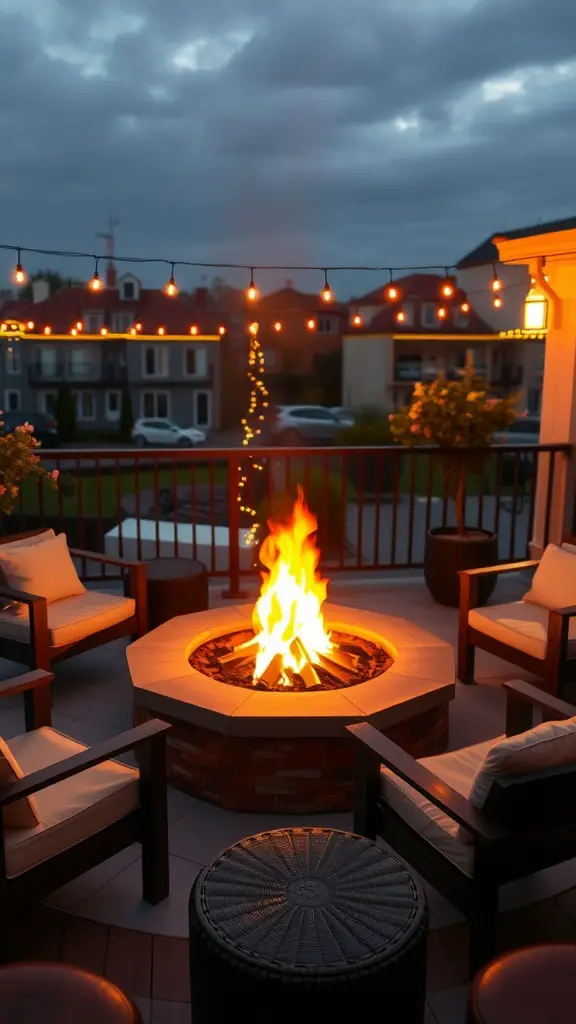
[(111, 276), (40, 290)]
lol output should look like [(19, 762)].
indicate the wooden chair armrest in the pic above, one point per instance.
[(495, 570), (27, 681), (20, 596), (522, 698), (95, 556), (427, 784), (566, 613), (89, 758)]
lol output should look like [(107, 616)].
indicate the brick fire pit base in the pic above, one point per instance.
[(250, 750), (289, 776)]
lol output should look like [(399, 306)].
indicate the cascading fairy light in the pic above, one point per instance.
[(252, 423)]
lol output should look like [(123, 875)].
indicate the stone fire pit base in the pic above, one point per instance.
[(300, 775), (250, 750)]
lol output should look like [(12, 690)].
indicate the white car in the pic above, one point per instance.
[(158, 433), (306, 424)]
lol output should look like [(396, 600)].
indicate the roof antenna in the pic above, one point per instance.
[(108, 237)]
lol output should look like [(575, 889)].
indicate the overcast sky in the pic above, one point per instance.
[(289, 131)]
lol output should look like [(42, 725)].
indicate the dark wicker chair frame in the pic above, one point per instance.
[(554, 670), (147, 824), (38, 653), (512, 838)]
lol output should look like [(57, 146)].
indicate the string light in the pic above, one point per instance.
[(465, 307), (194, 329), (311, 324), (19, 272), (133, 330), (357, 320), (221, 330), (497, 302), (79, 325), (401, 316), (447, 290), (441, 312), (277, 326), (73, 332), (30, 325), (392, 291), (171, 287), (138, 326), (96, 284), (327, 293), (253, 328), (161, 330), (103, 331), (252, 424), (496, 282), (47, 330), (252, 292)]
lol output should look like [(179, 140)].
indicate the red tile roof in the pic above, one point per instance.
[(153, 309), (417, 289), (288, 299)]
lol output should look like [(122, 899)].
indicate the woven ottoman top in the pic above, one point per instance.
[(309, 900)]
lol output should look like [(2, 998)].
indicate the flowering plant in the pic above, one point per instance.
[(454, 415), (18, 461)]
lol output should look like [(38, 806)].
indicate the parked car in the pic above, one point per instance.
[(308, 424), (342, 414), (45, 427), (524, 430), (158, 433)]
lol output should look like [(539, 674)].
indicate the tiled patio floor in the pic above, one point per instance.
[(98, 921)]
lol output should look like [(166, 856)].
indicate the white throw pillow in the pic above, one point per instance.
[(46, 569), (547, 745), (22, 813), (554, 582)]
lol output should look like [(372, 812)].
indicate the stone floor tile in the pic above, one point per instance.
[(429, 1017), (85, 944), (449, 1006), (71, 895), (145, 1007), (546, 921), (170, 1013), (170, 969), (129, 961), (567, 901), (442, 971)]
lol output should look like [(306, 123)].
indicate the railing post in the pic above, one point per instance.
[(233, 592)]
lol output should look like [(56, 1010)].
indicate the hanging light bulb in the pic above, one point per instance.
[(103, 331), (171, 288), (497, 302), (277, 326), (132, 330), (496, 282), (465, 307), (138, 326), (19, 272), (79, 325), (392, 292), (194, 329), (221, 330), (400, 316), (441, 312), (252, 292), (447, 289), (30, 325), (311, 324), (161, 330), (327, 293), (96, 284), (357, 320), (73, 332), (47, 330)]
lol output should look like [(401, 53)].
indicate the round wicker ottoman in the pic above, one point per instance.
[(308, 923)]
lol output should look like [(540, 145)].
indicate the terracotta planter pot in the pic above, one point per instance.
[(446, 554)]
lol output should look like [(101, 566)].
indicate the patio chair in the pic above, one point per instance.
[(65, 808), (536, 634), (52, 630), (467, 831)]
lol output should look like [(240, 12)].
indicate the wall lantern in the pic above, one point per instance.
[(535, 311)]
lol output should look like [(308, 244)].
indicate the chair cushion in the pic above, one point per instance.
[(37, 538), (73, 618), (71, 810), (45, 569), (458, 769), (547, 745), (22, 813), (520, 624), (554, 582)]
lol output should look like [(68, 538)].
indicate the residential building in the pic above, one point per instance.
[(417, 337), (165, 350), (475, 273)]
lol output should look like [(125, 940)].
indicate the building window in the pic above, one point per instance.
[(93, 322), (12, 400), (154, 361), (128, 290), (113, 403), (428, 315), (121, 323), (195, 362), (202, 409), (408, 368), (84, 405), (327, 325), (155, 404), (81, 362), (47, 402), (270, 358), (13, 359), (47, 362)]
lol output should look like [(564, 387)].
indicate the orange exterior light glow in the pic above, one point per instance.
[(277, 326), (103, 330), (465, 307), (392, 293), (138, 326), (441, 313), (311, 324), (19, 274), (447, 290), (221, 330), (96, 283), (497, 303), (357, 320), (73, 331), (132, 330), (47, 330), (161, 330), (194, 329), (400, 316), (79, 325), (253, 328), (30, 325), (171, 288)]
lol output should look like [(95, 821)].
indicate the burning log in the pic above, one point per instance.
[(306, 670), (241, 655), (273, 672), (326, 662)]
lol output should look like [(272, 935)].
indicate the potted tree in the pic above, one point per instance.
[(459, 419)]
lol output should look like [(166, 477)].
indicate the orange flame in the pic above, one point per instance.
[(290, 604)]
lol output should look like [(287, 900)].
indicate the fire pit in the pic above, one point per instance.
[(259, 697)]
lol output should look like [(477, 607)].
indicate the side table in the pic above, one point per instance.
[(310, 924), (534, 985), (176, 586)]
